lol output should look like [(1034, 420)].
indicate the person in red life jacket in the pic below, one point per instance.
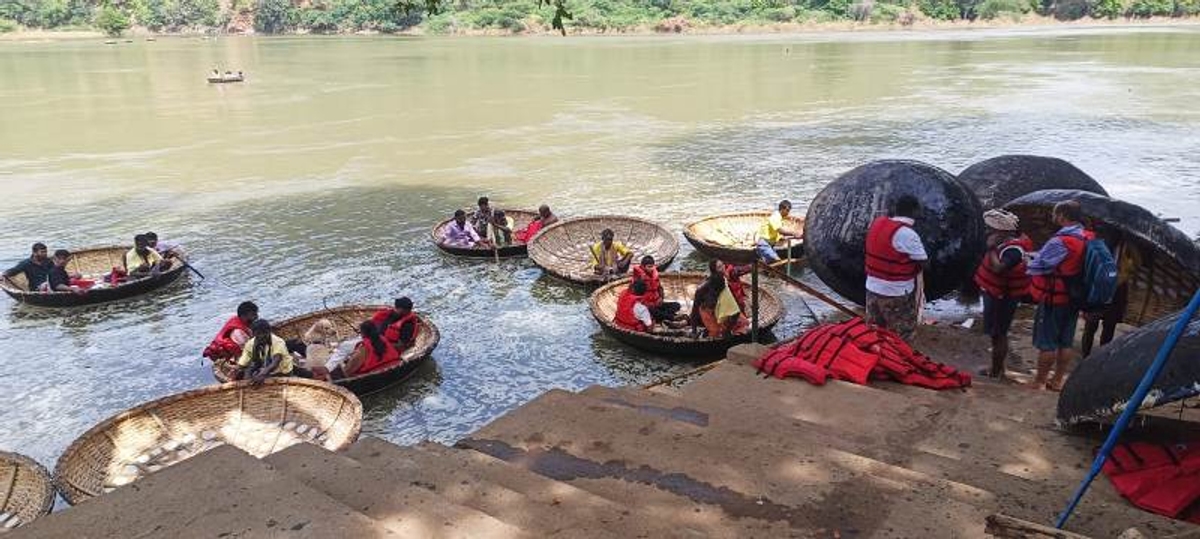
[(1002, 280), (371, 354), (1051, 268), (661, 311), (895, 258), (233, 335), (398, 325), (733, 279), (544, 219), (632, 313)]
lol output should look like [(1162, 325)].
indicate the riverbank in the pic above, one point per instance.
[(664, 28)]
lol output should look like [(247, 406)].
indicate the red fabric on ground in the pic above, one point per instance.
[(1160, 478), (855, 352)]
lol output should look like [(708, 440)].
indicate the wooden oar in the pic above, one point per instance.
[(808, 289)]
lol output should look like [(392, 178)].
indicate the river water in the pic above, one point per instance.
[(315, 182)]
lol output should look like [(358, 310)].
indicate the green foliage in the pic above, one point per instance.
[(1151, 8), (946, 10), (112, 21), (1187, 8), (992, 9), (8, 25), (275, 16), (1107, 9)]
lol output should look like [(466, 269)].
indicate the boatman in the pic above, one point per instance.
[(895, 258), (142, 261), (610, 258), (771, 232), (36, 268), (1002, 279), (1059, 260)]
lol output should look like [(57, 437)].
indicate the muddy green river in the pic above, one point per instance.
[(316, 181)]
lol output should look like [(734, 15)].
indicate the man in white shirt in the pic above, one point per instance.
[(895, 258)]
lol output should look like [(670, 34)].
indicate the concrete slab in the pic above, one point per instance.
[(544, 508), (1103, 511), (222, 493), (407, 508), (800, 488)]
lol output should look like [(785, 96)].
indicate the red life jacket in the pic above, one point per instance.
[(650, 277), (883, 260), (375, 360), (391, 333), (624, 318), (1013, 283), (223, 346), (525, 234), (1052, 289)]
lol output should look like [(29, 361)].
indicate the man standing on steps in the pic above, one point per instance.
[(1059, 260), (895, 258)]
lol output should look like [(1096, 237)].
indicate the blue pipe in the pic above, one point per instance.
[(1134, 404)]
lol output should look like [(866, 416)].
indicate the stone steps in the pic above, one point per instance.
[(223, 493), (508, 493), (404, 504), (747, 480), (1031, 500)]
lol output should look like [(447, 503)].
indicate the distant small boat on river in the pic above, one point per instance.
[(222, 79), (93, 264)]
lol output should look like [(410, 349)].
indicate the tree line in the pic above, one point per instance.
[(517, 16)]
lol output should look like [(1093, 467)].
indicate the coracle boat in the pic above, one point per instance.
[(521, 219), (1000, 180), (730, 237), (258, 420), (224, 79), (563, 248), (26, 491), (680, 287), (1098, 389), (93, 263), (345, 322), (1169, 272)]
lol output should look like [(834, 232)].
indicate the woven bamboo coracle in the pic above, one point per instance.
[(563, 249), (26, 491), (1169, 272), (730, 237), (521, 219), (92, 263), (345, 321), (681, 288), (258, 420)]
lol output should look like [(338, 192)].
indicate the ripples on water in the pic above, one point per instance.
[(316, 183)]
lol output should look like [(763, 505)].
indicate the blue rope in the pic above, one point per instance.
[(1131, 407)]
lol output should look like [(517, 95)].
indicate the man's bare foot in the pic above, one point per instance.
[(1035, 385), (1055, 386)]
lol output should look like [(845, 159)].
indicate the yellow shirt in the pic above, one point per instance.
[(726, 305), (133, 260), (771, 229), (609, 258), (278, 347)]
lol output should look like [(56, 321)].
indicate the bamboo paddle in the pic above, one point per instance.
[(810, 290)]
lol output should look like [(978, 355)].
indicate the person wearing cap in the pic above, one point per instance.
[(1002, 280), (772, 231), (610, 258)]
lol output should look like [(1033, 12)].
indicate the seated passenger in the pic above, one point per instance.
[(647, 272), (500, 230), (632, 313), (544, 219), (714, 307), (266, 354), (142, 261), (610, 258), (372, 354), (63, 281), (233, 335), (36, 269), (460, 233), (733, 279), (168, 249), (398, 325)]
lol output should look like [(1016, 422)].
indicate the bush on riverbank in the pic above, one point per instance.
[(8, 25), (517, 16)]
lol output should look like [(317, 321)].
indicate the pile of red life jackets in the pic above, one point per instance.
[(856, 352), (1162, 479)]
